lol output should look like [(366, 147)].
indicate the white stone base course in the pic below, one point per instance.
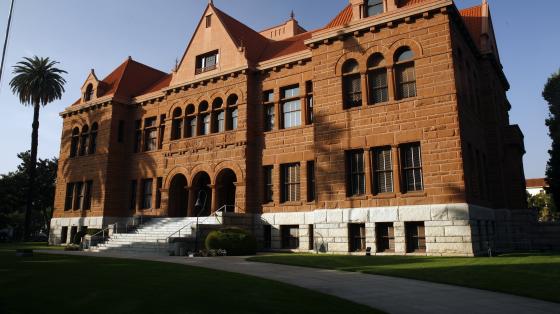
[(450, 229)]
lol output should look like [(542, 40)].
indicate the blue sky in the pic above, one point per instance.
[(101, 34)]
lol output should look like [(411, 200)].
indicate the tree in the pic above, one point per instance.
[(13, 195), (551, 94), (545, 206), (37, 82)]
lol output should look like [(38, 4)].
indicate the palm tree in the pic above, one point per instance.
[(37, 82)]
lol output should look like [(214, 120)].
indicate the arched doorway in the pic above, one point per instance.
[(225, 187), (178, 197), (201, 187)]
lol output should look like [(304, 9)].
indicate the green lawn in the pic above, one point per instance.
[(71, 284), (29, 245), (536, 276)]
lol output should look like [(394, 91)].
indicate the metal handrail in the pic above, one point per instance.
[(100, 232), (222, 209)]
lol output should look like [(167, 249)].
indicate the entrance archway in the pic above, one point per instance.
[(178, 197), (201, 182), (225, 187)]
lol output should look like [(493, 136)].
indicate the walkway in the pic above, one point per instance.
[(393, 295)]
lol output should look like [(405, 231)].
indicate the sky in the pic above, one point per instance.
[(101, 34)]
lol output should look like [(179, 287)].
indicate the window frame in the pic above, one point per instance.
[(355, 173), (268, 175), (406, 169), (291, 187), (293, 115), (387, 170), (401, 67), (147, 193), (368, 6), (269, 111), (201, 65), (374, 71), (351, 98)]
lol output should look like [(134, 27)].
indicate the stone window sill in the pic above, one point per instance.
[(414, 194)]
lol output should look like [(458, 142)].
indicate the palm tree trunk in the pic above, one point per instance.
[(31, 171)]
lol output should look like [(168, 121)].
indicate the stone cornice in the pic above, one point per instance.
[(285, 60), (387, 19)]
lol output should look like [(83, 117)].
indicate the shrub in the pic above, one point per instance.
[(235, 241)]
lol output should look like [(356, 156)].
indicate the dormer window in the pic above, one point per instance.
[(206, 62), (88, 95), (373, 7)]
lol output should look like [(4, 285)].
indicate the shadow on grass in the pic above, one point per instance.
[(70, 284)]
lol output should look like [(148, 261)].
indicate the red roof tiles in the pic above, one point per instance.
[(536, 183), (473, 21)]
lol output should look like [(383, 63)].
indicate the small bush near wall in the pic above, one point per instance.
[(235, 241)]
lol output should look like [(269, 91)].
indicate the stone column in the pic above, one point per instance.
[(400, 237), (213, 198), (368, 171), (391, 83), (396, 175), (363, 81), (164, 205)]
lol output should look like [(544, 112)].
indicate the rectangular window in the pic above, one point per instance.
[(267, 236), (147, 193), (406, 80), (291, 107), (415, 237), (88, 191), (357, 237), (132, 203), (207, 62), (356, 177), (159, 186), (290, 237), (352, 91), (161, 135), (150, 134), (120, 132), (309, 101), (385, 234), (268, 185), (412, 167), (311, 181), (382, 170), (378, 88), (64, 235), (290, 182), (269, 114), (373, 7), (138, 136), (209, 21), (79, 204), (69, 201)]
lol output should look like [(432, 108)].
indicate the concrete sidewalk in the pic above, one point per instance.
[(390, 294)]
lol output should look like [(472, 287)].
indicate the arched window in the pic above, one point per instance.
[(75, 142), (405, 73), (352, 85), (88, 95), (84, 140), (377, 79), (177, 125), (93, 139), (218, 116), (204, 119), (232, 112), (190, 121)]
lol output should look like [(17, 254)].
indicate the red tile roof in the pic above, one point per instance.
[(536, 183), (473, 21), (129, 79), (280, 48), (343, 18)]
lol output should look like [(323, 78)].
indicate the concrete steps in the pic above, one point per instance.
[(152, 237)]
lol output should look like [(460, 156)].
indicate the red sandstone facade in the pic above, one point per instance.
[(290, 128)]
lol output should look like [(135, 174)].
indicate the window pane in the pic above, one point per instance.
[(383, 170), (379, 91), (352, 91), (292, 114)]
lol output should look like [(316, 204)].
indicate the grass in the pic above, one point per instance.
[(75, 284), (535, 276), (28, 245)]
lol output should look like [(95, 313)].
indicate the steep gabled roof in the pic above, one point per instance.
[(343, 18), (243, 36), (276, 49), (128, 80)]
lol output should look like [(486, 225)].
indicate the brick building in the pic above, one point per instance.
[(388, 128)]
